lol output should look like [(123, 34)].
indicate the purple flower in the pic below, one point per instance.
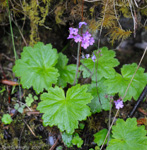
[(119, 104), (85, 44), (93, 58), (83, 56), (87, 55), (86, 36), (70, 36), (73, 31), (91, 41), (78, 38), (81, 23)]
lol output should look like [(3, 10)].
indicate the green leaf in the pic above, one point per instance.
[(59, 148), (127, 136), (97, 148), (120, 83), (16, 106), (67, 72), (2, 89), (6, 119), (36, 67), (29, 100), (67, 139), (65, 111), (106, 63), (35, 98), (99, 137), (99, 93), (77, 141), (81, 126), (19, 107)]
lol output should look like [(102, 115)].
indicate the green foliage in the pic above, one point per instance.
[(29, 100), (77, 141), (127, 136), (70, 140), (67, 138), (6, 119), (59, 148), (120, 83), (65, 112), (99, 137), (2, 90), (96, 148), (99, 93), (81, 126), (106, 63), (41, 66), (19, 107), (36, 67), (67, 72)]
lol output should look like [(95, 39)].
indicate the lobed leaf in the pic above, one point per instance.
[(99, 137), (99, 93), (128, 136), (65, 112), (6, 119), (77, 141), (36, 67), (120, 83), (105, 68), (67, 72), (67, 139)]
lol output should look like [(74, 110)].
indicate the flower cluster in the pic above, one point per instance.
[(85, 38), (119, 104)]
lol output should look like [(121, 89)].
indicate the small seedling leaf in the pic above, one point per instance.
[(77, 141), (6, 119)]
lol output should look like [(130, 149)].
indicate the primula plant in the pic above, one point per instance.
[(64, 104), (47, 101)]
